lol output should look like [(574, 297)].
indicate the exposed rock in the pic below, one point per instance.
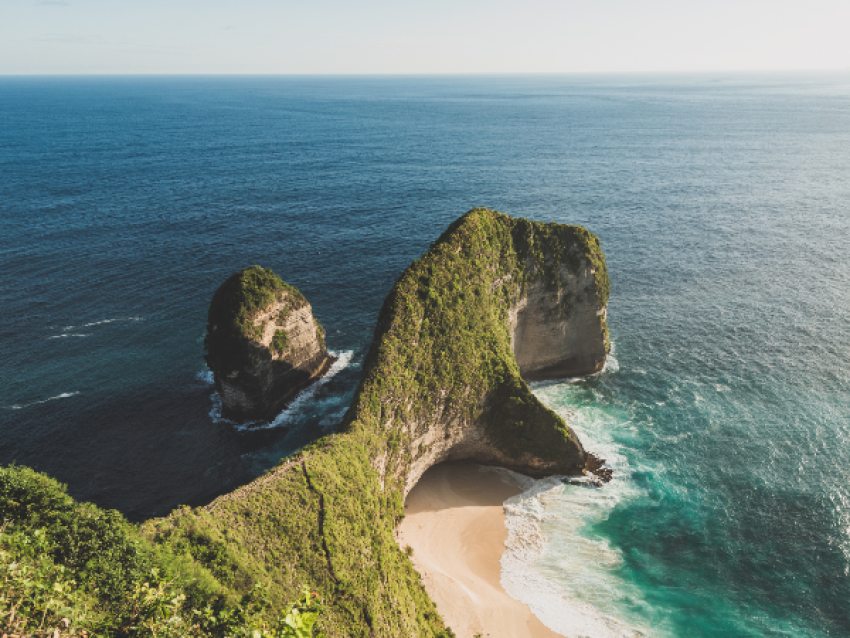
[(496, 301), (595, 466), (263, 344), (560, 331)]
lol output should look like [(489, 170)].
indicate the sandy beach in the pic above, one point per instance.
[(456, 526)]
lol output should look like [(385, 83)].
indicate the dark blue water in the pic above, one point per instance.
[(723, 204)]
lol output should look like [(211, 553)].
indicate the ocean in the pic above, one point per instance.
[(723, 206)]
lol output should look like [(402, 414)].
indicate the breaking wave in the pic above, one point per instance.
[(554, 562), (299, 407), (64, 395), (66, 330)]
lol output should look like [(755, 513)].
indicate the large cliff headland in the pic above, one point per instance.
[(496, 300)]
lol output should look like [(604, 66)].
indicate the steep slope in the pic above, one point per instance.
[(263, 344), (441, 379), (440, 382)]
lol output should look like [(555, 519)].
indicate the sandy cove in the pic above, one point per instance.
[(455, 524)]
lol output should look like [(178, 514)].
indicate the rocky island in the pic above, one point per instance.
[(495, 301), (263, 344), (440, 382)]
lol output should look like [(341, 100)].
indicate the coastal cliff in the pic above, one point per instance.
[(263, 344), (442, 365), (440, 382), (559, 331), (493, 300)]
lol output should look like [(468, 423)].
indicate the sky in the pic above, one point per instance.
[(434, 37)]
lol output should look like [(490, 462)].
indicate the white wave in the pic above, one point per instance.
[(528, 561), (301, 402), (299, 406), (611, 366), (70, 334), (566, 574), (611, 363), (101, 322), (64, 395), (206, 376), (333, 418)]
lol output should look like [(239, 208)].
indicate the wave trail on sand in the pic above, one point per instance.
[(554, 562)]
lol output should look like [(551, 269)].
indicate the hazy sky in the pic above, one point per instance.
[(438, 36)]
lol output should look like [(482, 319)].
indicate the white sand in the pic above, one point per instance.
[(456, 526)]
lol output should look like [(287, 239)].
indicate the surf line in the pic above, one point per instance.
[(289, 413), (64, 395)]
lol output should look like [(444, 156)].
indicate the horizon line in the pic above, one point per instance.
[(459, 74)]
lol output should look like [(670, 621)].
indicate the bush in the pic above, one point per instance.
[(72, 569)]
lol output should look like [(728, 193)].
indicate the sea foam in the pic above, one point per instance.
[(64, 395), (553, 562), (295, 410)]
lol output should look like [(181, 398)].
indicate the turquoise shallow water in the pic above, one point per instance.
[(723, 205)]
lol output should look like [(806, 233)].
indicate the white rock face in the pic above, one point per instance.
[(274, 377), (560, 333)]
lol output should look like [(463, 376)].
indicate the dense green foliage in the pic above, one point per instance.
[(71, 568), (325, 517), (280, 341), (443, 332), (234, 307), (321, 518)]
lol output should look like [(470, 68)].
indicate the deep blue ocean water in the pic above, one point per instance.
[(723, 205)]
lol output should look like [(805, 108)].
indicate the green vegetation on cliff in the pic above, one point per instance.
[(73, 569), (325, 517), (234, 307), (443, 335), (441, 351)]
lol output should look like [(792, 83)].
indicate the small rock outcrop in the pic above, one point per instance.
[(263, 344)]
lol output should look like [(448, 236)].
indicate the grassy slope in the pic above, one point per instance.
[(441, 344), (324, 517)]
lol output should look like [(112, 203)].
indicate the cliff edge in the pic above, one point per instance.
[(494, 299), (263, 344)]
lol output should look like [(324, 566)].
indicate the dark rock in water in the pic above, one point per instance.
[(587, 480), (263, 344), (595, 466)]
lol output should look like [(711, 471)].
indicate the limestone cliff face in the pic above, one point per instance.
[(560, 331), (469, 440), (263, 344), (495, 298), (495, 302)]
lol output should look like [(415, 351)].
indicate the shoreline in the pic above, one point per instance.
[(455, 524)]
